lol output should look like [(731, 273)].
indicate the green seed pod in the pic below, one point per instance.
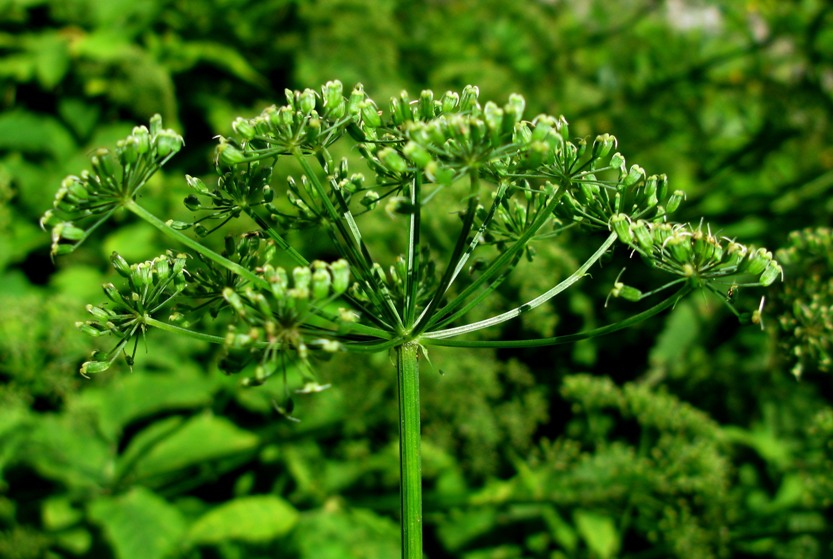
[(357, 98), (622, 291), (301, 277), (142, 137), (100, 313), (674, 201), (69, 232), (493, 116), (228, 155), (426, 107), (333, 94), (141, 276), (468, 100), (94, 367), (162, 267), (114, 295), (644, 239), (392, 160), (155, 124), (313, 130), (104, 164), (620, 224), (417, 154), (340, 270), (679, 247), (167, 142), (321, 282), (128, 151), (438, 174), (602, 146), (306, 101), (735, 254), (243, 127), (283, 119), (400, 109), (514, 111), (771, 273), (370, 114), (235, 301), (120, 264), (757, 261), (197, 184), (450, 101), (92, 329)]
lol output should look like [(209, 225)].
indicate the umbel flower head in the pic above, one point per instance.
[(85, 201), (152, 287), (513, 180), (804, 308)]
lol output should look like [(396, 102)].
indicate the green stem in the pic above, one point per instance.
[(410, 466), (196, 246), (567, 338)]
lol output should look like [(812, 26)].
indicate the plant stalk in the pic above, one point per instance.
[(410, 464)]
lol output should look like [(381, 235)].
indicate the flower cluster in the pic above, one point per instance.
[(694, 255), (805, 306), (152, 287), (291, 316), (84, 202)]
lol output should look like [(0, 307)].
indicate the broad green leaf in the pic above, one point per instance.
[(36, 133), (139, 524), (599, 533), (255, 519), (141, 395), (201, 439), (80, 115), (222, 57), (66, 448), (51, 58)]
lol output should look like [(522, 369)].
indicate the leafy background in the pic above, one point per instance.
[(687, 437)]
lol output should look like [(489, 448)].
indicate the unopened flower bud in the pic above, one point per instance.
[(306, 101), (426, 105), (334, 105), (243, 127), (167, 142), (392, 160), (468, 100), (370, 114), (120, 264), (450, 101), (418, 154)]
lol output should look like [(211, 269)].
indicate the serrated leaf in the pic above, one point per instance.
[(255, 519), (139, 524)]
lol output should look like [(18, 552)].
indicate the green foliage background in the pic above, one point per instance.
[(688, 437)]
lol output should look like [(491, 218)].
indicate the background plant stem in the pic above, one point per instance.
[(410, 464)]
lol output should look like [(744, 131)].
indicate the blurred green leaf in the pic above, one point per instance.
[(139, 524), (141, 395), (598, 532), (255, 519), (197, 441), (332, 533), (25, 131)]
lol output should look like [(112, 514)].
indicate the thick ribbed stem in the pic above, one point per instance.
[(410, 464)]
